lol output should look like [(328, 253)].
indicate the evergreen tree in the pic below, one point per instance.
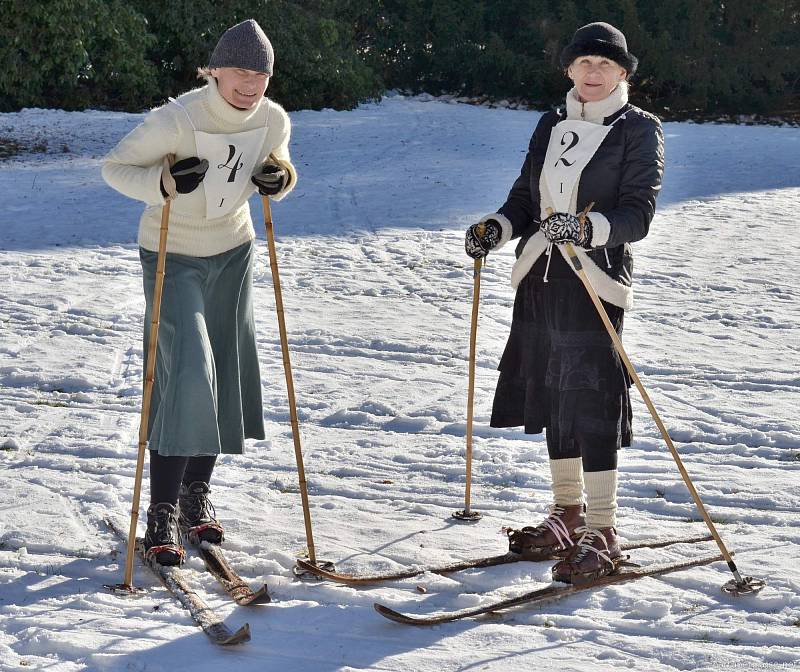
[(72, 54), (316, 57), (697, 57)]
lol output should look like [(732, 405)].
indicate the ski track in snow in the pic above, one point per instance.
[(377, 293)]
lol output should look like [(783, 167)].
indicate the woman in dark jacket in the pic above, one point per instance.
[(559, 369)]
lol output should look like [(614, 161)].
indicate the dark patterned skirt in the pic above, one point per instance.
[(560, 369)]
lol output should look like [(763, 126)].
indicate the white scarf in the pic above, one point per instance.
[(598, 110)]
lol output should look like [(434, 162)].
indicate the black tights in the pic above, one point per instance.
[(598, 453), (593, 422), (167, 474)]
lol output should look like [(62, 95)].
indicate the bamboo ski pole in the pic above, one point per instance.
[(149, 378), (467, 514), (476, 291), (287, 369), (738, 584)]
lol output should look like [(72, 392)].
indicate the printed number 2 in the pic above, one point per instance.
[(572, 142)]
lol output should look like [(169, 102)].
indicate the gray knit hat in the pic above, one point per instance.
[(244, 46)]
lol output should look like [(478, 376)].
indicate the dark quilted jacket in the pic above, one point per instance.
[(623, 179)]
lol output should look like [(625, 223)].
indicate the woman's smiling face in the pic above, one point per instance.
[(595, 77), (241, 88)]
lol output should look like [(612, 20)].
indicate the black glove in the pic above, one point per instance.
[(187, 173), (562, 227), (482, 237), (271, 180)]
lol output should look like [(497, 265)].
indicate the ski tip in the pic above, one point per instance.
[(260, 596), (241, 636), (393, 615), (386, 611)]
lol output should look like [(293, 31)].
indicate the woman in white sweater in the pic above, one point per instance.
[(228, 139)]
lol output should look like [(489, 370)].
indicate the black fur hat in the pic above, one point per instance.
[(600, 39)]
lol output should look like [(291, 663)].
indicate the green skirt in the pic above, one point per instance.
[(207, 389)]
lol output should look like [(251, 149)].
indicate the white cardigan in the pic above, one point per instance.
[(134, 168)]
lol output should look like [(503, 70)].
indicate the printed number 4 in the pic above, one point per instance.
[(233, 168)]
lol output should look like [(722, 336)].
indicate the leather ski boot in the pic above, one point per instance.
[(596, 554), (197, 516), (162, 542), (552, 536)]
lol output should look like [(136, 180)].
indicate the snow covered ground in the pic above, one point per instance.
[(377, 292)]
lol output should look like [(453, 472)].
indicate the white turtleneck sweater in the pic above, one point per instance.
[(134, 168)]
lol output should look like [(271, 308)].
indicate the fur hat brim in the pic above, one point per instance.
[(599, 48)]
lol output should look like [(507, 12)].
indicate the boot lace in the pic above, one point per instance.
[(198, 508), (165, 528), (555, 524), (586, 544)]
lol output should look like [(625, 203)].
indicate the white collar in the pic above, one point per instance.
[(598, 110), (224, 111)]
